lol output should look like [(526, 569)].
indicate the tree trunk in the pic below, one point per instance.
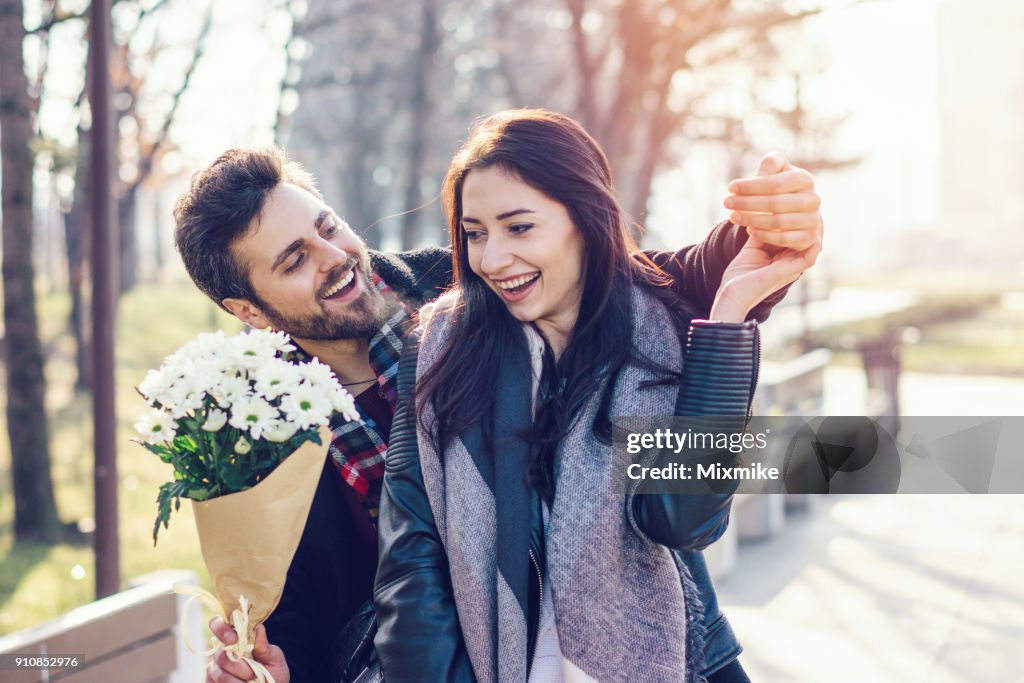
[(35, 511), (77, 235), (127, 250), (419, 113), (158, 237)]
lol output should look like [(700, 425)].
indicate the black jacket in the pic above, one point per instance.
[(419, 638), (330, 576), (327, 580)]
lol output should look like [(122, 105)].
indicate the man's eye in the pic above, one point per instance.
[(329, 232), (518, 228), (295, 264)]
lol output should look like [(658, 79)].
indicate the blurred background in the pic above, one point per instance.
[(910, 113)]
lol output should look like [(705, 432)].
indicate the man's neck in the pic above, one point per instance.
[(348, 358)]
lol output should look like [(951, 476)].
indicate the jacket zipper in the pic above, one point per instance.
[(756, 374), (540, 609)]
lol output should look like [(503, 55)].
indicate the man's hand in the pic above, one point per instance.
[(779, 208), (222, 670)]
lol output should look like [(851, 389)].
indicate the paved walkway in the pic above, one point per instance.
[(873, 589)]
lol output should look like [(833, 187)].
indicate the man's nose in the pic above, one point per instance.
[(331, 256), (497, 256)]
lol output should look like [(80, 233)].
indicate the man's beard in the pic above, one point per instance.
[(361, 319)]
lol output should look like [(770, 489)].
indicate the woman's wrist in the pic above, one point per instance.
[(727, 312), (725, 308)]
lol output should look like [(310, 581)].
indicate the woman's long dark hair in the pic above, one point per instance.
[(556, 156)]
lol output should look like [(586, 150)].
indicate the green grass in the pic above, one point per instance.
[(36, 582), (959, 333)]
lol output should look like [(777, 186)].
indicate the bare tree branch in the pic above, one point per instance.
[(146, 163)]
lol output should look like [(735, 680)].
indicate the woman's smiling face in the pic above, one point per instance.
[(526, 248)]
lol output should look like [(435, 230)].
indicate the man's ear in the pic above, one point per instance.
[(248, 312)]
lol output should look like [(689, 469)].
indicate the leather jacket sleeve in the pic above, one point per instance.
[(719, 377), (696, 271), (418, 635)]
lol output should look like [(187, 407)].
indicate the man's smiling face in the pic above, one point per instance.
[(310, 272)]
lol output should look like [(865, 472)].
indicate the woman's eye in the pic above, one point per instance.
[(295, 264), (473, 235), (519, 228)]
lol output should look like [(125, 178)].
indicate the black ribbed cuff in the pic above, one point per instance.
[(720, 368)]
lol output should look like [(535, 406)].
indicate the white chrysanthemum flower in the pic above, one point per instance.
[(154, 385), (253, 349), (252, 415), (280, 341), (343, 402), (242, 446), (156, 426), (186, 394), (232, 389), (277, 378), (318, 374), (279, 431), (215, 419), (306, 406)]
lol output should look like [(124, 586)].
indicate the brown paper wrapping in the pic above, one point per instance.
[(248, 538)]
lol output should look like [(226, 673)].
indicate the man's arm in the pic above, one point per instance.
[(696, 270), (418, 276), (773, 215)]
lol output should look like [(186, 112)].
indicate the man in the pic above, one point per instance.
[(256, 236)]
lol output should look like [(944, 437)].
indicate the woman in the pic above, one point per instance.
[(507, 552)]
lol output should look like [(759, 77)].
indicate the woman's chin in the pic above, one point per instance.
[(520, 314)]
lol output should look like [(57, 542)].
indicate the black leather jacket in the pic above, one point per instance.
[(419, 638)]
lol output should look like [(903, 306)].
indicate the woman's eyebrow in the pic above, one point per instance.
[(500, 216)]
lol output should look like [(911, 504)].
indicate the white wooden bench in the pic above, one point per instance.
[(129, 637)]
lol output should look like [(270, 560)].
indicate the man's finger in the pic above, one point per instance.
[(793, 202), (772, 163), (223, 632), (239, 670), (780, 222), (793, 180), (797, 239), (261, 646), (214, 674)]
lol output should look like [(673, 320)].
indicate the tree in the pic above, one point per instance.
[(642, 68), (387, 93), (35, 511)]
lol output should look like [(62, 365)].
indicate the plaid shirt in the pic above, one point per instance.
[(358, 448)]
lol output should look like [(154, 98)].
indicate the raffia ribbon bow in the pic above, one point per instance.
[(241, 651)]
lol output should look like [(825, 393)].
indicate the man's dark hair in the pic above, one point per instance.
[(219, 206)]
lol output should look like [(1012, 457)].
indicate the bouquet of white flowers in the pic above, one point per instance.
[(245, 429)]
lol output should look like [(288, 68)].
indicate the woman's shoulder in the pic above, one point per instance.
[(436, 321)]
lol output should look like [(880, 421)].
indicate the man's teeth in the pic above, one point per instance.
[(517, 282), (342, 283)]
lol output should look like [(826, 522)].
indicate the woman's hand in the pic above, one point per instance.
[(779, 209)]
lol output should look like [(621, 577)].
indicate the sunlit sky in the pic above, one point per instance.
[(877, 61)]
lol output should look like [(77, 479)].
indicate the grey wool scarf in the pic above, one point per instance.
[(625, 607)]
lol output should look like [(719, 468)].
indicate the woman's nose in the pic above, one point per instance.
[(497, 257)]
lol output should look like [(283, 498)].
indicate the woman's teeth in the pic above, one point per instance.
[(342, 283), (517, 282)]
